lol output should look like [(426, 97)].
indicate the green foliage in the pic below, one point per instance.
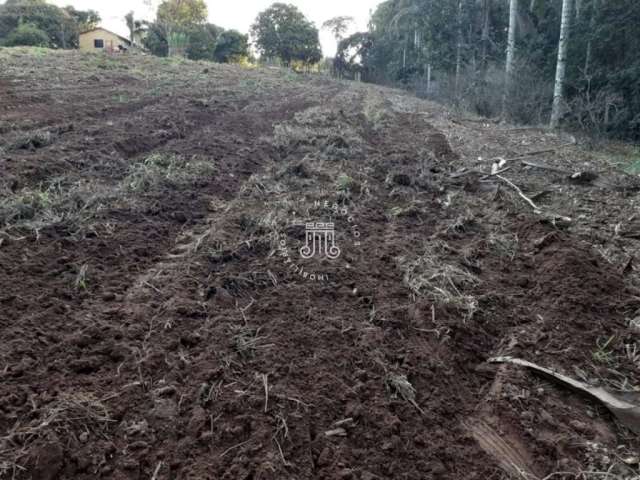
[(178, 41), (231, 46), (61, 26), (283, 32), (354, 55), (182, 14), (28, 35), (202, 42), (603, 65), (85, 19), (338, 26), (156, 40)]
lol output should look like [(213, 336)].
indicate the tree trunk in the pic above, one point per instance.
[(485, 37), (592, 25), (511, 49), (558, 92), (458, 52)]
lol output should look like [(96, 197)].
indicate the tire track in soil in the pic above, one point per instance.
[(307, 346)]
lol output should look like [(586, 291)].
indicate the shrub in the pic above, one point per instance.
[(231, 47), (27, 35)]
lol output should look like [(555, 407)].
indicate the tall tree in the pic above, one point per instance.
[(85, 19), (232, 46), (592, 25), (563, 44), (511, 49), (62, 25), (484, 52), (177, 17), (338, 26), (458, 52), (131, 25), (201, 41), (282, 31)]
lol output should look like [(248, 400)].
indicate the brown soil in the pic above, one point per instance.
[(151, 328)]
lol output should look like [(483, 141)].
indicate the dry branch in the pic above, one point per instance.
[(624, 405), (535, 207)]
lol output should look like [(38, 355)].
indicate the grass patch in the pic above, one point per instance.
[(634, 166), (31, 140), (167, 170), (72, 205)]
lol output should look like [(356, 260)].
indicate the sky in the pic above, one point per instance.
[(236, 14)]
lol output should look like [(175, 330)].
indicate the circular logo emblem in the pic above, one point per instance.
[(313, 246)]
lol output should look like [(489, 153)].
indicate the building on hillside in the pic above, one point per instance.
[(102, 40)]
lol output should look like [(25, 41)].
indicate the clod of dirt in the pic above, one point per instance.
[(402, 179), (48, 460), (440, 146), (196, 422), (300, 170)]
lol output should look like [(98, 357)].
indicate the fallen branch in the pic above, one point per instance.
[(156, 471), (265, 381), (535, 207), (625, 406)]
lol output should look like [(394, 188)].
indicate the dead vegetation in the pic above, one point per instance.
[(319, 134), (72, 416), (167, 170), (444, 283), (74, 205), (31, 140)]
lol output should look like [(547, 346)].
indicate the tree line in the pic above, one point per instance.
[(533, 61), (281, 33), (573, 62)]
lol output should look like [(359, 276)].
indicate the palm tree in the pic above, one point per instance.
[(131, 25)]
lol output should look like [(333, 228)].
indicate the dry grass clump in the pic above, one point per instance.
[(399, 385), (345, 183), (262, 185), (504, 244), (162, 169), (413, 209), (441, 282), (376, 113), (322, 133), (31, 140), (72, 204), (68, 414), (246, 340)]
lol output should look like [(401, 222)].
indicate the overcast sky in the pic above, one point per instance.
[(237, 14)]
